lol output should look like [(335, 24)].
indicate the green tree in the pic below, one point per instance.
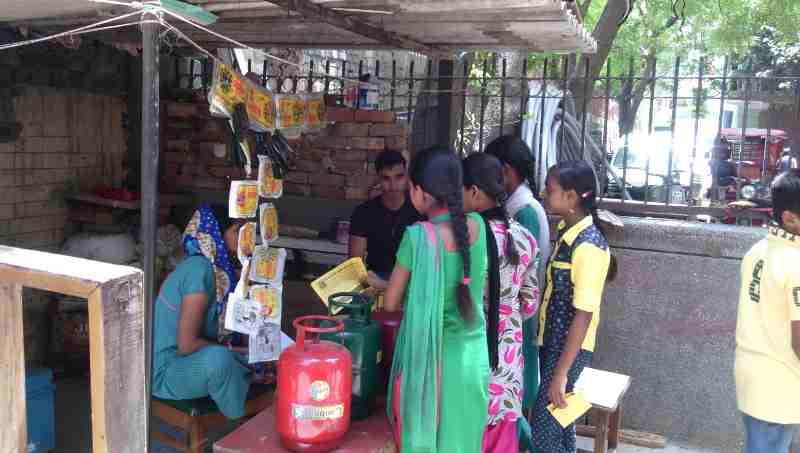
[(658, 31)]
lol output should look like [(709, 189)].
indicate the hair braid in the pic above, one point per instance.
[(461, 232), (511, 247)]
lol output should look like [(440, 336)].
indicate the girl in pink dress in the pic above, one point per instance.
[(512, 298)]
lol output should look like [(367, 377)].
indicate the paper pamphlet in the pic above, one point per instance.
[(350, 277), (243, 315), (602, 388), (265, 345), (577, 405)]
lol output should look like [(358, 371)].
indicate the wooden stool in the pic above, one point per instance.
[(197, 417), (605, 391)]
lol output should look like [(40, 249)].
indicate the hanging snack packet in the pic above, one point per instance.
[(315, 111), (268, 265), (247, 240), (228, 88), (261, 109), (268, 185), (291, 114), (243, 199), (269, 298), (268, 222)]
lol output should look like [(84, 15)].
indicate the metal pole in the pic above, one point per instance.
[(149, 187)]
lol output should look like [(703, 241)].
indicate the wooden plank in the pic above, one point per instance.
[(310, 245), (94, 199), (57, 273), (631, 437), (13, 431), (119, 399), (324, 14)]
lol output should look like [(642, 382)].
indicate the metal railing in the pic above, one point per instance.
[(648, 126)]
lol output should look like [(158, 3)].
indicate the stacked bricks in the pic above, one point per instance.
[(70, 141), (338, 163), (197, 149)]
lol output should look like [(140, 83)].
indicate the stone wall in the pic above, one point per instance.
[(70, 106), (69, 141)]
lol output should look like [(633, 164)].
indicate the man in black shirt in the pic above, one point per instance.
[(377, 226)]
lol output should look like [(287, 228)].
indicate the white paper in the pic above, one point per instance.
[(265, 345), (243, 315), (602, 388)]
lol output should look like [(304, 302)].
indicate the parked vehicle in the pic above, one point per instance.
[(645, 164)]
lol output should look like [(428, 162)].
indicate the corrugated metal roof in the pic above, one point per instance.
[(438, 25)]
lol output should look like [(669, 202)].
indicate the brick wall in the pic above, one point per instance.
[(69, 140), (338, 162), (333, 164)]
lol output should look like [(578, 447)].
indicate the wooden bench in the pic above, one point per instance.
[(197, 417), (317, 251), (605, 391), (259, 435)]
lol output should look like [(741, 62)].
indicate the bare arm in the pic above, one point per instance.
[(357, 247), (796, 338), (575, 337), (393, 300), (190, 324)]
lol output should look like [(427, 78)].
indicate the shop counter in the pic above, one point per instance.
[(259, 434)]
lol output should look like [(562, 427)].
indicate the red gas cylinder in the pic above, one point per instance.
[(315, 384), (389, 321)]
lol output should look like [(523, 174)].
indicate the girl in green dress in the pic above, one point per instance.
[(438, 398)]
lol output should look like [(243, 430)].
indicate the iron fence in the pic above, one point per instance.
[(664, 136)]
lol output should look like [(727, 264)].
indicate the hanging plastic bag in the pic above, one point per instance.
[(315, 112), (269, 223), (228, 88), (291, 114), (243, 199), (261, 109), (268, 265), (268, 185)]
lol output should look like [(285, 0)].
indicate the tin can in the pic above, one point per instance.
[(343, 231)]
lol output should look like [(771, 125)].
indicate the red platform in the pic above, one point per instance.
[(258, 435)]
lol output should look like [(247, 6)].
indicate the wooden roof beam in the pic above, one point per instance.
[(313, 11)]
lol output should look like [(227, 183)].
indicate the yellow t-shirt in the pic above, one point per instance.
[(767, 368), (587, 266)]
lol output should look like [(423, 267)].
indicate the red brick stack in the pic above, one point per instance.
[(337, 163), (334, 164)]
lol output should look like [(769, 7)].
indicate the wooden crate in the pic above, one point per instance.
[(116, 344)]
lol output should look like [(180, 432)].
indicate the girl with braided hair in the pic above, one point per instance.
[(570, 314), (512, 298), (440, 375)]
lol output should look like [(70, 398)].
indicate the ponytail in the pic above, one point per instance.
[(578, 176), (458, 220)]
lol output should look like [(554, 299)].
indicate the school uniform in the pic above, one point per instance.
[(576, 276), (767, 369)]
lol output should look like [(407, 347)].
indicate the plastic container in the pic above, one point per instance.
[(40, 410)]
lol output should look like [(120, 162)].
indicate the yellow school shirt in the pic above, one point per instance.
[(583, 253), (767, 368)]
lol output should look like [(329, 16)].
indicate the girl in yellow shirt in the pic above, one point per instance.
[(570, 313)]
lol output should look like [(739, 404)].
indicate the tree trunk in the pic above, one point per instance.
[(605, 32), (633, 93)]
